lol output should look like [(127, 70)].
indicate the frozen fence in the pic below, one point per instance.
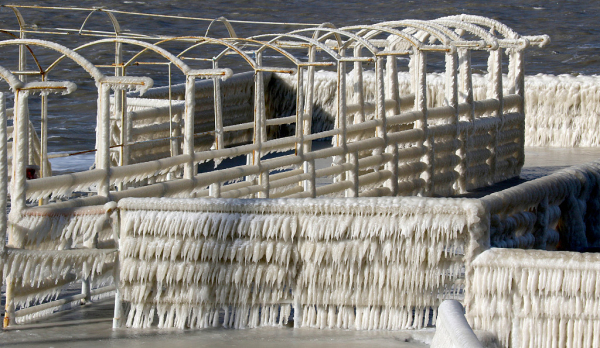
[(559, 210), (367, 263), (535, 298)]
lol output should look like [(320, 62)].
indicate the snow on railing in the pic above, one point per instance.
[(560, 209), (535, 298), (367, 263), (385, 142)]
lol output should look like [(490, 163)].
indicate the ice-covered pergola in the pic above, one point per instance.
[(247, 237)]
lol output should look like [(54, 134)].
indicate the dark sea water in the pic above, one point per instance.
[(572, 25)]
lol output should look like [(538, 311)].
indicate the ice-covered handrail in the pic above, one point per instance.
[(452, 329)]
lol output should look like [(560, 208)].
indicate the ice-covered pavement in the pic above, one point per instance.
[(91, 326)]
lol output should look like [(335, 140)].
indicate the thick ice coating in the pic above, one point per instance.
[(361, 263)]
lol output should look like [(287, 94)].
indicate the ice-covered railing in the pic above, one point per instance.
[(367, 263), (535, 298), (391, 144), (463, 144), (559, 210)]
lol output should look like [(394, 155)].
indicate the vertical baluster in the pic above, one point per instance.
[(421, 105), (309, 166), (260, 129), (215, 188), (340, 120), (188, 131), (452, 100), (466, 83)]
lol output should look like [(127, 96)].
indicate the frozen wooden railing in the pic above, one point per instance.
[(388, 144)]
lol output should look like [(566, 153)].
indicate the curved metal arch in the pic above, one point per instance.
[(37, 62), (424, 26), (329, 32), (266, 45), (373, 30), (147, 46), (473, 29), (227, 24), (13, 82), (330, 26), (314, 42), (113, 19), (18, 14), (205, 40), (501, 28), (66, 52)]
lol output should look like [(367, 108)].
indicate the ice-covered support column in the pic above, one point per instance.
[(495, 92), (452, 329), (20, 151), (188, 130), (118, 310), (103, 137), (466, 96), (451, 92), (359, 95), (309, 166), (392, 93), (3, 172), (9, 312), (420, 66), (340, 118), (518, 58), (215, 189), (260, 125)]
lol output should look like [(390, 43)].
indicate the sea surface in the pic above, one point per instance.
[(572, 26)]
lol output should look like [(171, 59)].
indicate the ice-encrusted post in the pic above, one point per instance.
[(358, 87), (519, 76), (20, 151), (495, 92), (340, 118), (420, 66), (309, 166), (466, 84), (3, 173), (260, 125), (188, 131), (215, 188), (392, 93), (118, 310), (103, 138), (452, 101)]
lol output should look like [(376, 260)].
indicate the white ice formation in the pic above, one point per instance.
[(535, 298), (360, 264)]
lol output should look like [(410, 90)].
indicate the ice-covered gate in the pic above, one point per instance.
[(384, 142)]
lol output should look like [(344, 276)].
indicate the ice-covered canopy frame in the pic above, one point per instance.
[(265, 99)]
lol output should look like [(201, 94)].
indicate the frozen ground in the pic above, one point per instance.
[(90, 326)]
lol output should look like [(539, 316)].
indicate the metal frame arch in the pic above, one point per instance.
[(227, 24), (113, 19), (13, 81), (148, 46), (223, 42), (424, 26), (502, 28), (170, 56), (473, 29), (373, 30), (67, 53), (314, 42), (329, 32)]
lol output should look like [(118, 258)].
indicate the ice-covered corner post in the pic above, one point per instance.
[(452, 329), (3, 186)]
